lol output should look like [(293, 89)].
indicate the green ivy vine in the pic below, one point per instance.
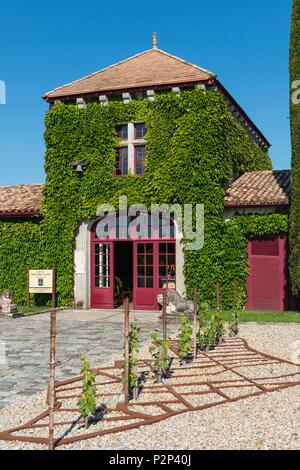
[(194, 146)]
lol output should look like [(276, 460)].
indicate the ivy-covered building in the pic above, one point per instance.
[(158, 130)]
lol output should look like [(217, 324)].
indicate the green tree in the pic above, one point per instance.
[(295, 136)]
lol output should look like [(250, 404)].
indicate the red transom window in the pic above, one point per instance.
[(121, 165)]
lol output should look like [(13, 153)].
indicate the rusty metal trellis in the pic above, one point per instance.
[(232, 371)]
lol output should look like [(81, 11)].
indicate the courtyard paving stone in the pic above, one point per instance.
[(97, 334)]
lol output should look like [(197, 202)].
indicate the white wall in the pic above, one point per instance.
[(82, 266)]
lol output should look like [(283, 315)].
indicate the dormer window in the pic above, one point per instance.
[(130, 154)]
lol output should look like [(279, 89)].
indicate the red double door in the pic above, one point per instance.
[(153, 268)]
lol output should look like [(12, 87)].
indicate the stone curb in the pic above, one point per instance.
[(22, 315)]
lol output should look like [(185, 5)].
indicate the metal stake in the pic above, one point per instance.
[(195, 320), (52, 379), (235, 303), (126, 350), (164, 316)]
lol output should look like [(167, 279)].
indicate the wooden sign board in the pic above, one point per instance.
[(40, 281)]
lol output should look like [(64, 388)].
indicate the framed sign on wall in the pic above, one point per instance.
[(41, 281)]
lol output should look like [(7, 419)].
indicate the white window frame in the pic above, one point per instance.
[(130, 142)]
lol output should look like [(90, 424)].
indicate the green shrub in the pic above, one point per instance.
[(185, 344), (134, 347), (160, 358), (87, 400)]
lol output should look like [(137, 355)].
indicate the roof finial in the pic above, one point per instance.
[(154, 40)]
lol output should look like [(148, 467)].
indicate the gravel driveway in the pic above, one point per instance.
[(269, 421)]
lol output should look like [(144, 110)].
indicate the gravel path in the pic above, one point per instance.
[(270, 421)]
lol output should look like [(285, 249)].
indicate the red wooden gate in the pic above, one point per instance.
[(266, 282)]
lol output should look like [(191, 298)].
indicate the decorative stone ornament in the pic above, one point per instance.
[(176, 306), (7, 305), (154, 40)]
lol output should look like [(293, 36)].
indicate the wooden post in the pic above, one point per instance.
[(53, 288), (235, 306), (164, 316), (52, 379), (27, 291), (126, 350), (218, 313), (195, 320), (234, 285)]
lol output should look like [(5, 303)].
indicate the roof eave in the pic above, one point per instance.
[(118, 91), (255, 206), (242, 112), (17, 215)]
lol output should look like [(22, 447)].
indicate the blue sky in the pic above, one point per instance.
[(46, 44)]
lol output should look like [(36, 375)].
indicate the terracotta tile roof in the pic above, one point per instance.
[(149, 68), (257, 188), (23, 199), (260, 188)]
